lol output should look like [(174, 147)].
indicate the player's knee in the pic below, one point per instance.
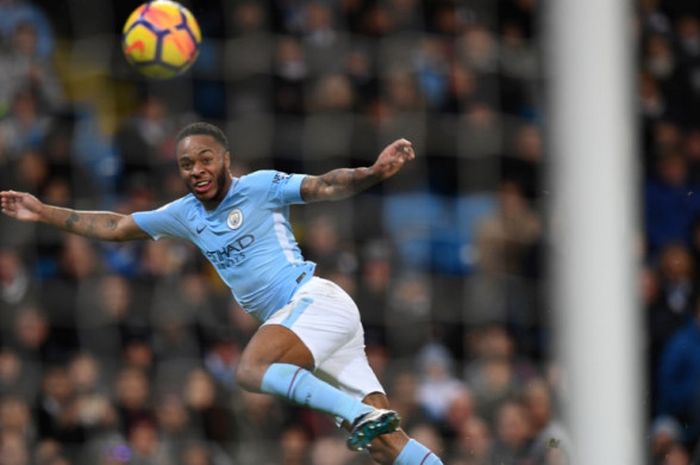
[(377, 399)]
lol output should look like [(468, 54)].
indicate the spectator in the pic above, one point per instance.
[(676, 295), (174, 423), (404, 395), (19, 377), (438, 386), (77, 272), (13, 449), (132, 398), (201, 453), (144, 141), (25, 126), (523, 163), (221, 361), (31, 335), (548, 431), (290, 73), (330, 450), (57, 413), (665, 432), (429, 435), (103, 317), (475, 442), (145, 445), (376, 276), (92, 401), (259, 421), (324, 44), (18, 289), (18, 12), (205, 411), (669, 209), (23, 66), (15, 418), (679, 377), (513, 434), (677, 455), (506, 238), (295, 445), (495, 373)]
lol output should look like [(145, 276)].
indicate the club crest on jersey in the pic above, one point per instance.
[(235, 219)]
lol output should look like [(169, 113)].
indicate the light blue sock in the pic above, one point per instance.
[(415, 453), (299, 385)]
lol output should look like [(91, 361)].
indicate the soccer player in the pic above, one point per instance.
[(310, 346)]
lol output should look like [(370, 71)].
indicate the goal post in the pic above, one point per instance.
[(594, 226)]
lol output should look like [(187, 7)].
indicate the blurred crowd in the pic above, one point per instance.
[(126, 353)]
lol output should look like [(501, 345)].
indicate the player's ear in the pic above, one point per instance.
[(227, 160)]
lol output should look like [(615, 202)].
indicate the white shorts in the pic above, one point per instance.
[(327, 321)]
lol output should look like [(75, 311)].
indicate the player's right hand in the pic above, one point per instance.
[(20, 205)]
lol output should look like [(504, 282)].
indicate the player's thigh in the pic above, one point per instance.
[(275, 343), (271, 344), (323, 317), (349, 370)]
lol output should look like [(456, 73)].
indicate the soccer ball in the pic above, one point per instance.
[(161, 39)]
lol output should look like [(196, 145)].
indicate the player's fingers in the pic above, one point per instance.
[(407, 151), (399, 143), (8, 195)]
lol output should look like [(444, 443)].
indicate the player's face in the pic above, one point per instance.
[(204, 166)]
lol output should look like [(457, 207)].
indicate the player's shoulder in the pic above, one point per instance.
[(262, 178), (259, 176), (179, 205)]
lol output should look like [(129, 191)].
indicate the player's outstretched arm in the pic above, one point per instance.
[(108, 226), (344, 182)]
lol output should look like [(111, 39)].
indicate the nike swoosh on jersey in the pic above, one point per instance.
[(201, 228)]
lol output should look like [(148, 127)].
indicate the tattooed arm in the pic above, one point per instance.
[(344, 182), (108, 226)]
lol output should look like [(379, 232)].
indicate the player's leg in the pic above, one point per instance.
[(398, 448), (281, 355), (349, 369), (277, 362)]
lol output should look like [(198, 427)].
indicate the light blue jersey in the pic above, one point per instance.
[(247, 238)]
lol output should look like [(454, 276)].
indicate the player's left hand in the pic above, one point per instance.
[(393, 157)]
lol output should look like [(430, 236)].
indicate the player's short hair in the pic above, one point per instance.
[(202, 128)]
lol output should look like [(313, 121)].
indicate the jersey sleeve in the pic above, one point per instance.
[(280, 188), (287, 187), (163, 222)]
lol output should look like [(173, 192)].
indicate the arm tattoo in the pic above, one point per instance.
[(95, 225), (91, 226), (71, 220), (337, 184)]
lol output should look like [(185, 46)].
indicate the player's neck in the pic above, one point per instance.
[(213, 203)]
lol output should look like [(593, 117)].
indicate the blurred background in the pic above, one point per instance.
[(126, 353)]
